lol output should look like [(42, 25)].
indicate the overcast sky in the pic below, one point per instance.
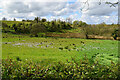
[(60, 9)]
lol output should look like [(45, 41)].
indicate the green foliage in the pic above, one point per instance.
[(21, 28), (53, 26), (68, 26), (23, 20), (99, 29), (115, 34), (41, 34), (10, 23), (82, 69), (75, 24), (62, 24), (37, 28), (25, 27), (5, 27), (58, 26), (37, 19), (43, 20), (14, 27), (79, 24), (18, 27)]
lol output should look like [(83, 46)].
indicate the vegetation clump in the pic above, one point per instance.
[(82, 69)]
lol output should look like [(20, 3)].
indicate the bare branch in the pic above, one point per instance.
[(112, 4), (99, 2), (85, 3)]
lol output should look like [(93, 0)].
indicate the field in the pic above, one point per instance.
[(60, 56), (61, 40), (51, 50), (10, 23)]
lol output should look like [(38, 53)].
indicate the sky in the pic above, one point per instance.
[(91, 13)]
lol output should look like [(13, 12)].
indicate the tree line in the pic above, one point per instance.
[(41, 25), (37, 26)]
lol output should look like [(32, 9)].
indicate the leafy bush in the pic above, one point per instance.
[(79, 24), (115, 34), (37, 28), (83, 69), (99, 29), (21, 28), (5, 27)]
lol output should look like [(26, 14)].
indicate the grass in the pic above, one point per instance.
[(50, 50), (10, 23)]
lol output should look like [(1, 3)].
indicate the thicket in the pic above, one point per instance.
[(102, 30), (70, 70)]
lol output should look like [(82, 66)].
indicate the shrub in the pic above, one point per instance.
[(5, 27), (54, 27), (37, 28), (100, 30), (115, 34), (83, 69)]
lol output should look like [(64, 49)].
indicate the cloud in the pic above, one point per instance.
[(14, 9), (100, 10), (94, 13), (99, 19)]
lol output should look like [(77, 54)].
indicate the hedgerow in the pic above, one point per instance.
[(82, 69)]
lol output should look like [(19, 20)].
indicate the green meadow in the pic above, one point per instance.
[(58, 50), (61, 40), (50, 50)]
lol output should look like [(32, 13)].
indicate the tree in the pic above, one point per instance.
[(18, 27), (44, 20), (14, 27), (29, 20), (37, 28), (116, 33), (68, 26), (53, 27), (62, 24), (14, 19), (37, 19), (46, 24), (75, 24), (23, 20), (84, 24), (69, 20), (80, 23), (4, 19), (5, 27)]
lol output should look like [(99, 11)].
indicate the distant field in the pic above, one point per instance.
[(10, 23), (49, 50)]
